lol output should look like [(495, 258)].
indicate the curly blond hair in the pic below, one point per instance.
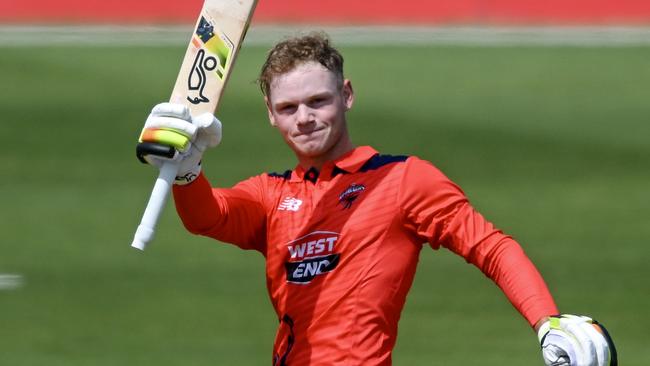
[(288, 54)]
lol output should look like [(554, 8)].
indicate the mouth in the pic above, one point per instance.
[(308, 134)]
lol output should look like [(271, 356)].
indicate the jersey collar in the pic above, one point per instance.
[(350, 162)]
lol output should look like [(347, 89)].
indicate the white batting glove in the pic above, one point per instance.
[(572, 340), (171, 133)]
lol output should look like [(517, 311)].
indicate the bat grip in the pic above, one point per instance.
[(157, 200)]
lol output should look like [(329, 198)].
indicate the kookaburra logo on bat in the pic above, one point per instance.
[(198, 78)]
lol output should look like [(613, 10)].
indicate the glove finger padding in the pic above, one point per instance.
[(599, 344), (586, 349), (611, 347), (172, 110), (575, 341), (169, 124)]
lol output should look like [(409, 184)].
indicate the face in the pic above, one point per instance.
[(307, 105)]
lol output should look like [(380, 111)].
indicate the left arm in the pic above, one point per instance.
[(439, 212)]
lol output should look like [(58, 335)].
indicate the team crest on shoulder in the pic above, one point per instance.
[(350, 194)]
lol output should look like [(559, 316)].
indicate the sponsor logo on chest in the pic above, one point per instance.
[(311, 255)]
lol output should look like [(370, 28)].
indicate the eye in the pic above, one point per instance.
[(286, 108), (318, 101)]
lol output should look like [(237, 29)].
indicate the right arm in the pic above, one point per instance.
[(234, 215)]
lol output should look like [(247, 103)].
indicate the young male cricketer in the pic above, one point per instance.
[(342, 231)]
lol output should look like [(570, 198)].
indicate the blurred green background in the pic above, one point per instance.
[(550, 143)]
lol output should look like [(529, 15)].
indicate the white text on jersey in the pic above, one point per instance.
[(290, 204)]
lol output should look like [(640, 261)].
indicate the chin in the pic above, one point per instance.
[(309, 150)]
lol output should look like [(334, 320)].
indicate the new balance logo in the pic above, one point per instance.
[(290, 204)]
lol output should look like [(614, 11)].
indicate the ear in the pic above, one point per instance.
[(348, 94), (269, 110)]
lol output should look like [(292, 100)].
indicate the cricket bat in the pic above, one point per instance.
[(206, 67)]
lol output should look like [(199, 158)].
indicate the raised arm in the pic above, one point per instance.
[(233, 215)]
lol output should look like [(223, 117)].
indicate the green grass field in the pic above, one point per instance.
[(549, 143)]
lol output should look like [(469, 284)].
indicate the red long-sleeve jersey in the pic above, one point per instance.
[(342, 245)]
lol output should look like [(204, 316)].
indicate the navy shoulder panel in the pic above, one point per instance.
[(286, 175), (379, 161)]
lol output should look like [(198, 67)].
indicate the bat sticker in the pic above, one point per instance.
[(214, 54), (197, 79)]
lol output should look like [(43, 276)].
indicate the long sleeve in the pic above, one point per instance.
[(438, 212), (233, 215)]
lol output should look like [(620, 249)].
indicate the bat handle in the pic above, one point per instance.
[(145, 232)]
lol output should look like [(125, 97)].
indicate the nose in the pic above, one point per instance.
[(304, 115)]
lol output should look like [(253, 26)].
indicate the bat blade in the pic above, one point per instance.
[(211, 53), (206, 67)]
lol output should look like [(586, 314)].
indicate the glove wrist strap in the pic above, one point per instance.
[(187, 177), (543, 330)]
